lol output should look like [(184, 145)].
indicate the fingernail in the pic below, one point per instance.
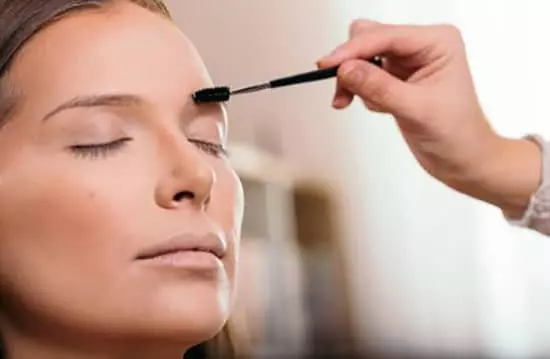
[(337, 103), (330, 57), (323, 60)]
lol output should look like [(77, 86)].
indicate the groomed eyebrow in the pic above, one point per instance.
[(114, 100), (107, 100)]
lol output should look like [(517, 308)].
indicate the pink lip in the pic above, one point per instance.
[(209, 243)]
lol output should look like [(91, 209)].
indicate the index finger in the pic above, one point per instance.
[(398, 41)]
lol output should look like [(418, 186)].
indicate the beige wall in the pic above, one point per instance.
[(243, 42)]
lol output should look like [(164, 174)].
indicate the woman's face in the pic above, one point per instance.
[(106, 167)]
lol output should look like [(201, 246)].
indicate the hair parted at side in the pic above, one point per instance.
[(20, 20)]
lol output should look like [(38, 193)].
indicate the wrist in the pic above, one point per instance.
[(509, 176)]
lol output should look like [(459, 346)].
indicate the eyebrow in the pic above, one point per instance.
[(107, 100)]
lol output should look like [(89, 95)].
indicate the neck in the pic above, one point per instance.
[(21, 347)]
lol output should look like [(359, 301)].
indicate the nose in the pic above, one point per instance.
[(188, 179)]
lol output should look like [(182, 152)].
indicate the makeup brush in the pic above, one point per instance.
[(222, 94)]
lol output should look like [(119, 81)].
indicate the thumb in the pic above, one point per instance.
[(377, 87)]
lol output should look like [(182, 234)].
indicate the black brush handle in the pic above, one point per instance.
[(314, 75), (305, 77), (222, 94)]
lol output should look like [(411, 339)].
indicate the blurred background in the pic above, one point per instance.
[(349, 248)]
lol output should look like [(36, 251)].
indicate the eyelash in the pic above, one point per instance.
[(94, 151), (98, 150), (210, 148)]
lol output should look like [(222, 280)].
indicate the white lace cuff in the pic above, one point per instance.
[(537, 215)]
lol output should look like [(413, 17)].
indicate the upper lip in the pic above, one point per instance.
[(210, 242)]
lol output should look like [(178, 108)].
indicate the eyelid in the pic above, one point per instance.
[(212, 148), (97, 150)]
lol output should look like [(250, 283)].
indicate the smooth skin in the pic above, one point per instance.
[(84, 190)]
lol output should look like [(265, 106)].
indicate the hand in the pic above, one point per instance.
[(427, 86)]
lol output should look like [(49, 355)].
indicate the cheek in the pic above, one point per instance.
[(59, 223), (226, 208)]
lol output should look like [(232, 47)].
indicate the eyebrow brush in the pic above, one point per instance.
[(223, 94)]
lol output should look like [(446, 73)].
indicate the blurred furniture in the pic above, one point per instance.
[(326, 277), (293, 292), (269, 319)]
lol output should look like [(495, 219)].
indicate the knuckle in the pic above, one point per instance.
[(450, 31), (376, 91), (372, 107), (378, 95), (355, 27), (359, 25)]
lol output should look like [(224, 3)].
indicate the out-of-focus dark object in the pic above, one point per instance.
[(269, 316), (293, 293), (325, 282)]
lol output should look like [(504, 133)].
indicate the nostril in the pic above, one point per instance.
[(180, 196)]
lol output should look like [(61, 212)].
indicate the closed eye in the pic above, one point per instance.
[(213, 149), (97, 150)]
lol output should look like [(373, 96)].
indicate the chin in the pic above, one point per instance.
[(193, 315)]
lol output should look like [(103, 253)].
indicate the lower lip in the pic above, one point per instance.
[(192, 260)]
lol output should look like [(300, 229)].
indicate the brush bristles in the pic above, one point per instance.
[(212, 95)]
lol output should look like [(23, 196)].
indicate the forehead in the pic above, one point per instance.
[(123, 49)]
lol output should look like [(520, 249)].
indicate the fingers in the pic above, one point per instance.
[(360, 25), (374, 108), (371, 43), (343, 98), (379, 90), (373, 39), (406, 49)]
